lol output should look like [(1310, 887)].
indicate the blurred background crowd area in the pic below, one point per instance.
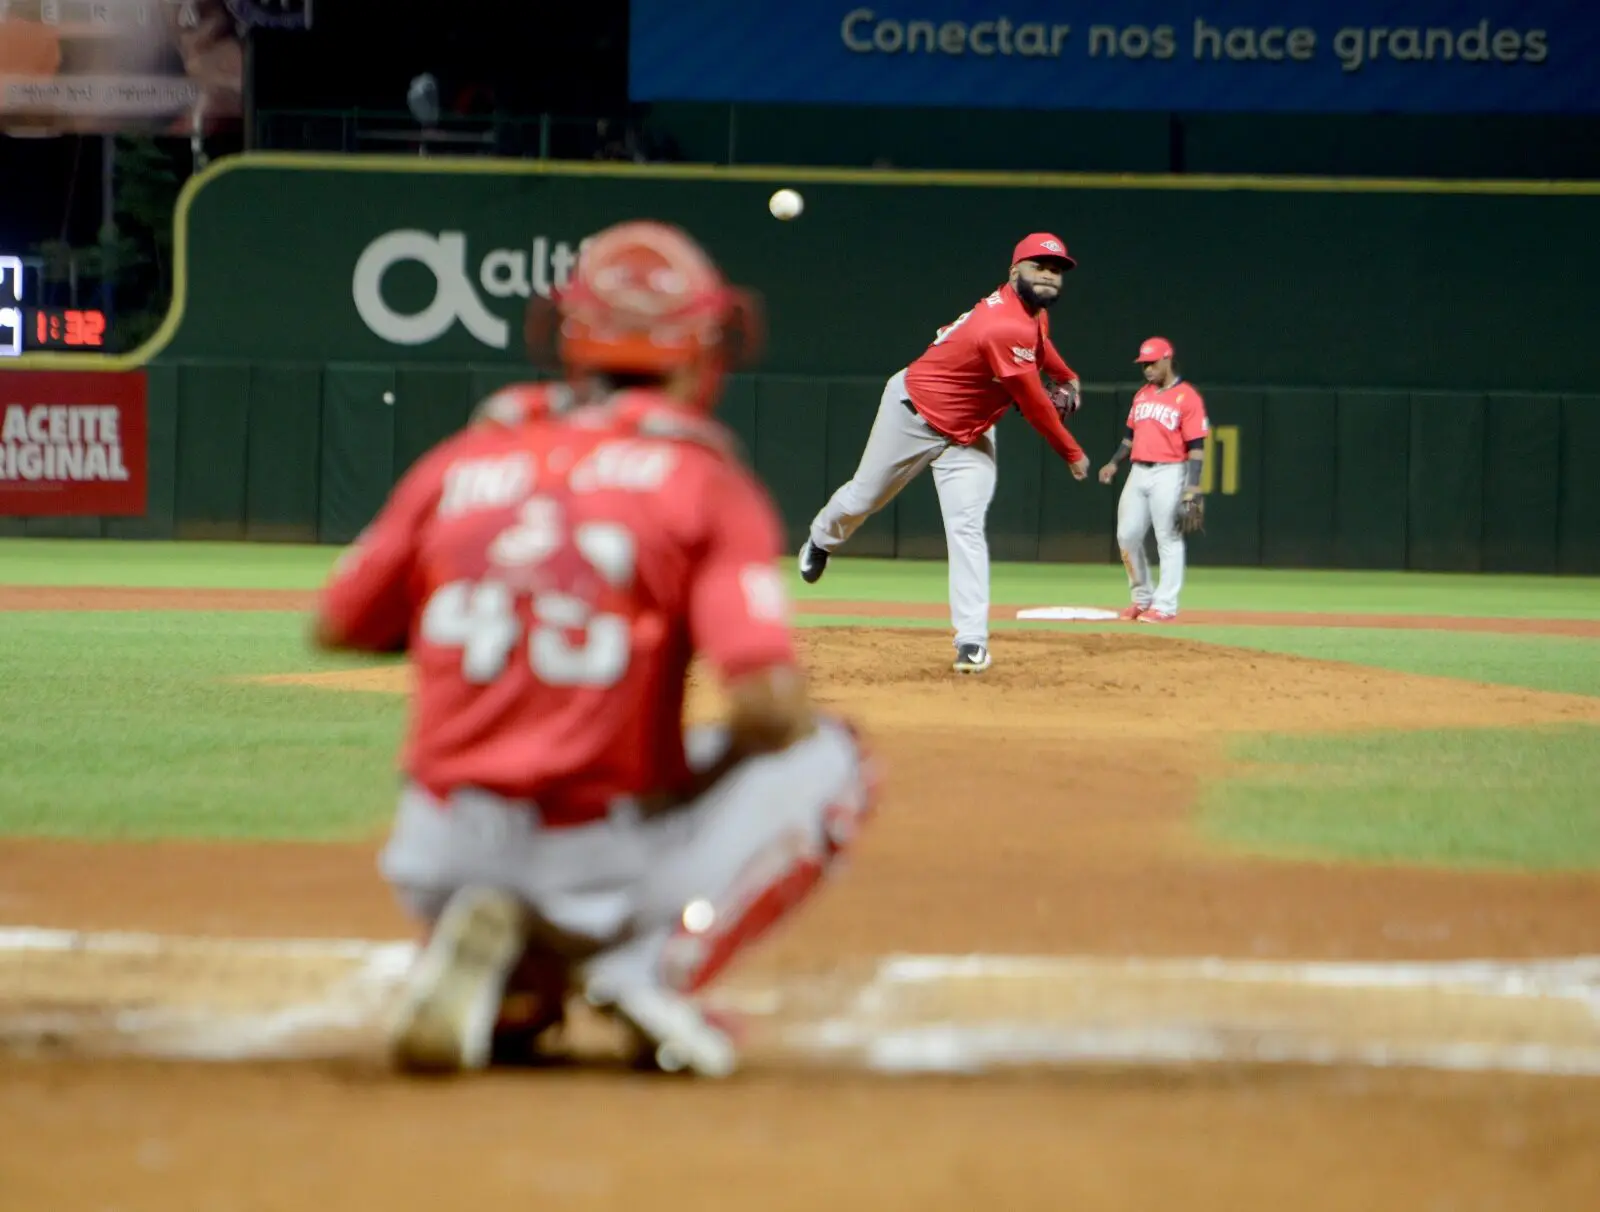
[(107, 106)]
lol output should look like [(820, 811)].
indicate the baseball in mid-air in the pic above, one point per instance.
[(785, 204)]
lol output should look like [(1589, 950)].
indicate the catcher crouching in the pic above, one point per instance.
[(552, 571)]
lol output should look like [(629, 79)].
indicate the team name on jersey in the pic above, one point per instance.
[(627, 466), (1162, 414), (485, 484)]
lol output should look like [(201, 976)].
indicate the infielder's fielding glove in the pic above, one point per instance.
[(1192, 514), (1066, 398)]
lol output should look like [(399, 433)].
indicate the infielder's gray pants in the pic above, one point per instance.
[(900, 445), (1150, 499)]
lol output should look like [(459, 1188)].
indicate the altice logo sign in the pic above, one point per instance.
[(503, 273)]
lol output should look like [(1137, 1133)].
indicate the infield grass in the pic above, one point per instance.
[(1564, 664), (1517, 798), (137, 725)]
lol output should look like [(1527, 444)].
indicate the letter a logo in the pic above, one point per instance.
[(454, 299)]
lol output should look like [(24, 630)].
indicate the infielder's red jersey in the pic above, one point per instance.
[(551, 583), (982, 363), (1164, 422)]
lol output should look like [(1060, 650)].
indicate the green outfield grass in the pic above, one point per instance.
[(1226, 589), (164, 565), (128, 724), (263, 566)]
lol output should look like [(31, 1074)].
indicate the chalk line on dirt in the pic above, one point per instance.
[(172, 997)]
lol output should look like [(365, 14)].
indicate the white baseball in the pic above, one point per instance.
[(785, 204), (388, 397)]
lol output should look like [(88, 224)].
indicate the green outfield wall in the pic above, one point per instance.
[(1351, 478), (1315, 287), (1390, 366)]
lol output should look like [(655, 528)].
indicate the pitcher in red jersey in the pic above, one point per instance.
[(552, 571), (940, 411)]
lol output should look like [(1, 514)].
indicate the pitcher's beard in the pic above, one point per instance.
[(1028, 295)]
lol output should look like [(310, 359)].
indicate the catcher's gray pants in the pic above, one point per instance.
[(1150, 498), (900, 445), (592, 880)]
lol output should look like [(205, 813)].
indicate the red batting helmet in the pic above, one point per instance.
[(645, 298)]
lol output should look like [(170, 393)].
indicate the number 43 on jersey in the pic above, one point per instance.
[(480, 618)]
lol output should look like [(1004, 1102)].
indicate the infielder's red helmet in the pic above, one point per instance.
[(646, 299)]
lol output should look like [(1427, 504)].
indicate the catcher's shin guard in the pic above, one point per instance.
[(773, 884), (651, 983), (673, 1032), (453, 996), (695, 955)]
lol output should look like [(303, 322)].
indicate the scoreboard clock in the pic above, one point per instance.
[(74, 328), (25, 328)]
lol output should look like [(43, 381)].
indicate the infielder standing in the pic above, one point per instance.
[(1167, 429), (941, 410)]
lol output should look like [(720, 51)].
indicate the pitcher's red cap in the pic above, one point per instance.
[(1042, 244), (1154, 349)]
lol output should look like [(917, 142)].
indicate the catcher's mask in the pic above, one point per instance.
[(645, 299)]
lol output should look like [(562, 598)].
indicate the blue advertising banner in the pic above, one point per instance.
[(1308, 56)]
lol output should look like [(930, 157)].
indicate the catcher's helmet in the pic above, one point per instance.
[(646, 299)]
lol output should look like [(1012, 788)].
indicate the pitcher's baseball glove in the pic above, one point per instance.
[(1066, 397), (1192, 514)]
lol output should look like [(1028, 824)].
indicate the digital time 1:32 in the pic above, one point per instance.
[(64, 328)]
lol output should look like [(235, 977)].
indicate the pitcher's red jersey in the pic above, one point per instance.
[(551, 582), (984, 361)]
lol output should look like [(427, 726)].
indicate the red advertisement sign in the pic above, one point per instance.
[(73, 443)]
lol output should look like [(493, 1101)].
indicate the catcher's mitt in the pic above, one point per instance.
[(1192, 514), (1066, 397)]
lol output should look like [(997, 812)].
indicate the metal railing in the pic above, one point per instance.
[(1526, 147), (543, 137)]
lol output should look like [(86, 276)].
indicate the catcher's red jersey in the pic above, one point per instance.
[(551, 582), (519, 403), (971, 374)]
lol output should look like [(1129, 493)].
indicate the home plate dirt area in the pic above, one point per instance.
[(1037, 985)]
